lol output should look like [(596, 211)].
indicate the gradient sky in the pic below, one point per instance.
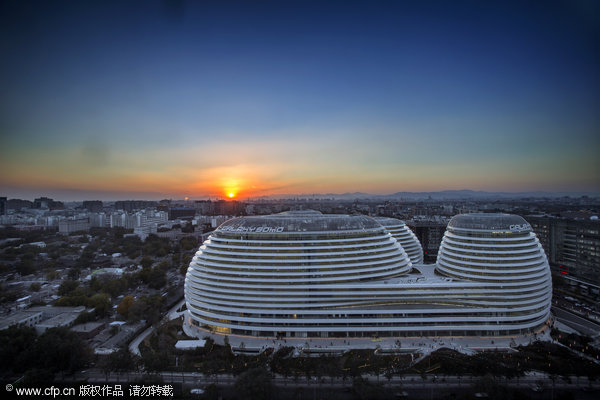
[(126, 99)]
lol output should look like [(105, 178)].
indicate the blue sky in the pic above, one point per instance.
[(180, 98)]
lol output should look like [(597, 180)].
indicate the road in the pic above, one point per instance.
[(539, 385), (576, 322), (134, 346)]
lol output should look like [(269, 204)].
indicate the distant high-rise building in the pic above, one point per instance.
[(219, 207), (430, 234), (181, 213), (231, 207), (133, 205), (205, 207), (131, 221), (117, 219), (3, 206), (93, 205), (42, 202), (17, 204), (573, 248), (98, 220), (47, 203), (67, 226)]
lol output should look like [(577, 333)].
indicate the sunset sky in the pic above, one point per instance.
[(147, 100)]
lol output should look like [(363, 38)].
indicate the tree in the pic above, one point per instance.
[(148, 308), (59, 349), (125, 306), (255, 384), (155, 246), (15, 348), (146, 262), (187, 228), (101, 303), (157, 278), (155, 361), (73, 273), (137, 311), (51, 275), (26, 267), (85, 317), (67, 287), (363, 389), (131, 246), (211, 392), (487, 384), (183, 269), (123, 360), (35, 287), (154, 277), (164, 265), (112, 286), (188, 243), (37, 377)]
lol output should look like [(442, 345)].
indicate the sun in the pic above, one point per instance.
[(231, 195)]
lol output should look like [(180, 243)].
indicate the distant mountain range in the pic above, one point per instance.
[(465, 194)]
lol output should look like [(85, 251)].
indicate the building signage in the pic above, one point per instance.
[(254, 229), (519, 227)]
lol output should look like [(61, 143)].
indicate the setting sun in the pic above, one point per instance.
[(230, 195)]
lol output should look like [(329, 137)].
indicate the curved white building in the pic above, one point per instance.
[(407, 239), (304, 274), (501, 253)]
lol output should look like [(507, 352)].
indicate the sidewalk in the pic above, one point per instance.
[(422, 345)]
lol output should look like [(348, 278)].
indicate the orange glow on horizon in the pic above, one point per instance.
[(177, 173)]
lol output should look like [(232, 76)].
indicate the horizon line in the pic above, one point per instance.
[(323, 196)]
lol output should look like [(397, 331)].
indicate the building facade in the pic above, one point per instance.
[(573, 249), (3, 206), (305, 274), (429, 232), (404, 236), (94, 206), (67, 226)]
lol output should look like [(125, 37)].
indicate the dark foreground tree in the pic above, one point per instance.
[(59, 349), (254, 384), (155, 362), (363, 389), (16, 349)]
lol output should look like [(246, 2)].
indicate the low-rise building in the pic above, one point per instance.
[(21, 318), (61, 320), (89, 329)]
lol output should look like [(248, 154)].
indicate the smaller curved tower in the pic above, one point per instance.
[(407, 239), (502, 252)]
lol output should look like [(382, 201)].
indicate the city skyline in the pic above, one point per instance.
[(185, 99)]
